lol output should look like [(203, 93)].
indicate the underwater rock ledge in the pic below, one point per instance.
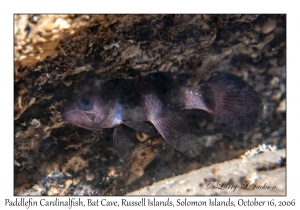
[(59, 55)]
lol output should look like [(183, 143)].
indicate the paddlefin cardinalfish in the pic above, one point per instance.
[(158, 98)]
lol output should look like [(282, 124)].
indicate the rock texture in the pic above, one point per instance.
[(57, 56), (263, 174)]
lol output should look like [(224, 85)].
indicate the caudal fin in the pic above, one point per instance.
[(229, 99)]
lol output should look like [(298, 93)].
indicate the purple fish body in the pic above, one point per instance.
[(158, 98), (228, 98)]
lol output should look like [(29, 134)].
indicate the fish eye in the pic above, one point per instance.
[(86, 103)]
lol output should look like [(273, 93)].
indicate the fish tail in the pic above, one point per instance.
[(228, 98), (196, 98)]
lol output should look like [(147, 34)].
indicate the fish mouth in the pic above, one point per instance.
[(78, 118)]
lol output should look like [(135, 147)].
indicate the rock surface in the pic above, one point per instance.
[(57, 56), (263, 174)]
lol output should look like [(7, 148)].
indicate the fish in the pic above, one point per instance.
[(228, 98), (160, 98)]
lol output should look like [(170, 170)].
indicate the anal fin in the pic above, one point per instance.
[(170, 124), (173, 129)]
